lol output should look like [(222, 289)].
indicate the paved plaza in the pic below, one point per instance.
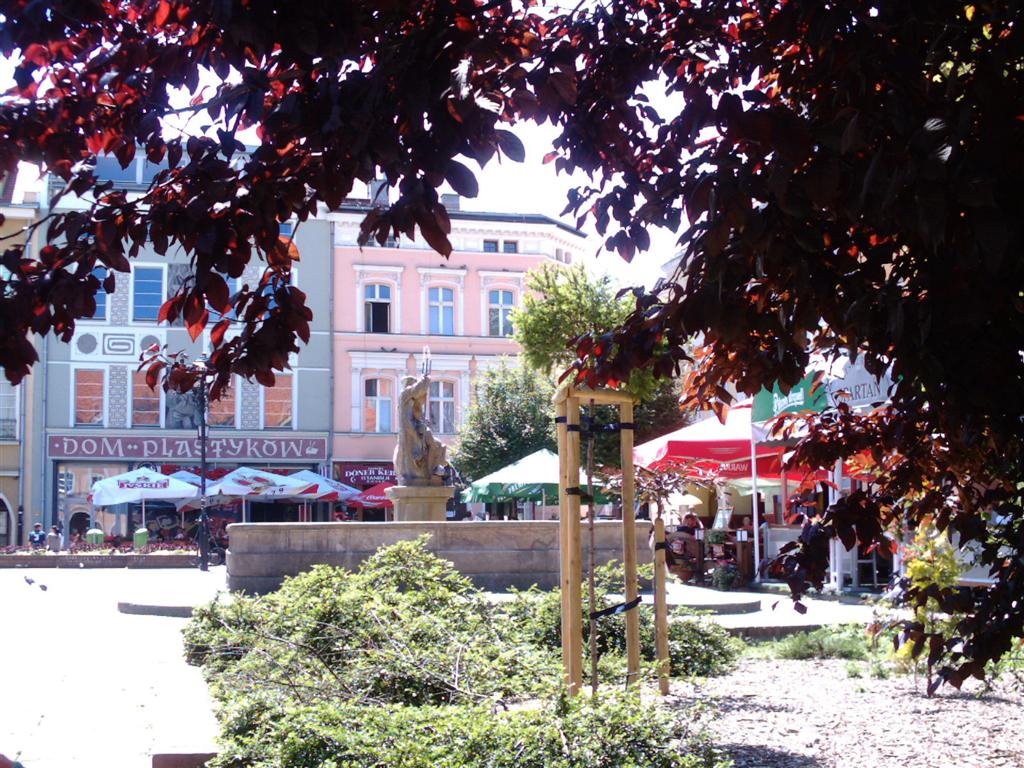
[(92, 686)]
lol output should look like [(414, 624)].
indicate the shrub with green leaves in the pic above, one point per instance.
[(696, 646), (614, 730), (406, 628), (844, 641), (405, 663)]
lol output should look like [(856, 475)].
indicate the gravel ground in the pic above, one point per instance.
[(811, 714)]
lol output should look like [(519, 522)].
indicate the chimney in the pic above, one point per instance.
[(451, 201)]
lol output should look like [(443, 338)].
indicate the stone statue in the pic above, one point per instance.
[(419, 456), (182, 410)]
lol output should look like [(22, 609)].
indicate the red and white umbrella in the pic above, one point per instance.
[(248, 482), (139, 485), (373, 498), (320, 488)]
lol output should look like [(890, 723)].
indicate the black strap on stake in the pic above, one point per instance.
[(560, 419), (616, 609), (577, 491), (660, 545)]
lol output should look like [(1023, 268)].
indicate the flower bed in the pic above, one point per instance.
[(129, 559)]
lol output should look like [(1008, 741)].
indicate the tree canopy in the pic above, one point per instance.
[(564, 303), (561, 304), (848, 174), (510, 417)]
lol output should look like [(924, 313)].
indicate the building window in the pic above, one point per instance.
[(147, 293), (377, 405), (221, 412), (377, 308), (510, 246), (490, 246), (441, 308), (66, 482), (100, 273), (277, 403), (499, 313), (441, 407), (88, 397), (8, 411), (145, 402)]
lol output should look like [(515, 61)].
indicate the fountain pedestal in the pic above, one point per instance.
[(418, 503)]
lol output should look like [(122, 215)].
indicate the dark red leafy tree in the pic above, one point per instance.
[(848, 174)]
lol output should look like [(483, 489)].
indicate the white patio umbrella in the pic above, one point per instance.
[(248, 483), (320, 488), (139, 485), (186, 476)]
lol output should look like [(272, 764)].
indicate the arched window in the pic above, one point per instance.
[(377, 308), (378, 400), (441, 407), (499, 312), (441, 310)]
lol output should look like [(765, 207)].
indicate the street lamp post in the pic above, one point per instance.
[(204, 520)]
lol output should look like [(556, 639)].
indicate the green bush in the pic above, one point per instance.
[(696, 647), (610, 731), (701, 647), (404, 663), (406, 628), (845, 641)]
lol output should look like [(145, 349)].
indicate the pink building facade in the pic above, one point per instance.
[(393, 303)]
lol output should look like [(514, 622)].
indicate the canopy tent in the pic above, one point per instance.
[(319, 488), (706, 444), (372, 498), (532, 478)]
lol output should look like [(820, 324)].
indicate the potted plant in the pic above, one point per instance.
[(715, 538), (726, 576)]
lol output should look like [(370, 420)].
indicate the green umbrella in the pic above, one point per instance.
[(532, 478)]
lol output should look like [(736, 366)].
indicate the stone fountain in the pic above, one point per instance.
[(420, 458)]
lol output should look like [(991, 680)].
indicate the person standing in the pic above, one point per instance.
[(37, 537), (53, 539)]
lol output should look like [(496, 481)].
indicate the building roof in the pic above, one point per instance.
[(360, 205)]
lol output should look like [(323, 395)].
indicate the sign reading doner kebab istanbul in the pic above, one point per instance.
[(305, 449)]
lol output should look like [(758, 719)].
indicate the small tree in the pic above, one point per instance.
[(563, 303), (511, 417), (568, 302)]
